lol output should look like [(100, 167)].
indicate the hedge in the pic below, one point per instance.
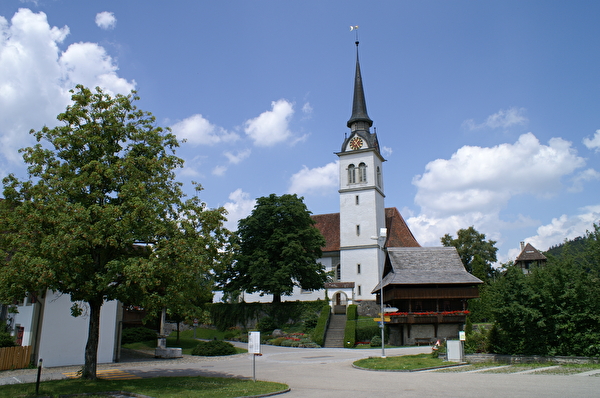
[(318, 335), (350, 331), (225, 316)]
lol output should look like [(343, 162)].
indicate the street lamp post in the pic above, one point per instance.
[(381, 243)]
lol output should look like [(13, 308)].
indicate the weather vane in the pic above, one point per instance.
[(355, 27)]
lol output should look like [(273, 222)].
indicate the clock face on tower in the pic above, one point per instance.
[(356, 143)]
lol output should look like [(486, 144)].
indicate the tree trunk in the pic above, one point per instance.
[(91, 347), (276, 298)]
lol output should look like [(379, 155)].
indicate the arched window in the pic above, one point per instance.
[(378, 177), (351, 174), (362, 172)]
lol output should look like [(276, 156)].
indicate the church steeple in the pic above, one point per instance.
[(360, 119)]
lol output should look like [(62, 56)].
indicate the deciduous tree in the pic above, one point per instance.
[(101, 216), (278, 249), (476, 253)]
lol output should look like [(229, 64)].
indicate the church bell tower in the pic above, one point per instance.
[(362, 209)]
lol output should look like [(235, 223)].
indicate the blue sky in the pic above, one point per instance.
[(488, 112)]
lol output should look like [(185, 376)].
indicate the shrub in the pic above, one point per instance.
[(309, 320), (276, 341), (318, 334), (137, 335), (6, 340), (214, 348), (367, 329), (350, 331), (267, 324), (375, 341)]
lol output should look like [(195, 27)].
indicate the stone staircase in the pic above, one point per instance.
[(334, 338)]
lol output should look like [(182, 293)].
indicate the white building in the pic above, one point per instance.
[(46, 324), (351, 251)]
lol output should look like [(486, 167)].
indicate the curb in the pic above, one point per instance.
[(411, 370)]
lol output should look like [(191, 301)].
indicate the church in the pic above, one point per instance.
[(428, 288)]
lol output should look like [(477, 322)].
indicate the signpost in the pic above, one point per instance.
[(254, 350), (385, 319)]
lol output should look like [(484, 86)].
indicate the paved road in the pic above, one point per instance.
[(328, 372)]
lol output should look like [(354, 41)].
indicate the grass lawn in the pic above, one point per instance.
[(186, 341), (159, 387), (405, 362)]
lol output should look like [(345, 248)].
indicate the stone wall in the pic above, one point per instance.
[(368, 308), (478, 358)]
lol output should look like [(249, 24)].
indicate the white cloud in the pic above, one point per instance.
[(562, 228), (240, 207), (501, 119), (90, 65), (35, 78), (237, 157), (386, 151), (271, 127), (219, 170), (475, 184), (196, 130), (307, 108), (320, 180), (106, 20), (594, 142), (484, 179), (584, 176)]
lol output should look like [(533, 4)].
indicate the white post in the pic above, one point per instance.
[(381, 243)]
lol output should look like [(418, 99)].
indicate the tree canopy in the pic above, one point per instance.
[(553, 309), (101, 216), (476, 253), (278, 249)]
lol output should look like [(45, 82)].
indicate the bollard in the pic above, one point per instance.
[(39, 374)]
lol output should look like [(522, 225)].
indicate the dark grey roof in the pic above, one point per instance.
[(359, 105), (425, 265)]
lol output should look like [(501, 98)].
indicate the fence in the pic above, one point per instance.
[(15, 357)]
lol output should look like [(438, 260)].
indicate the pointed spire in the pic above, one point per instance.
[(359, 105)]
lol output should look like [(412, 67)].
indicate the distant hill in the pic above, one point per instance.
[(576, 245)]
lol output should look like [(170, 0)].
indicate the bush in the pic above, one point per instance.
[(350, 332), (318, 334), (6, 340), (137, 335), (375, 341), (367, 329), (267, 324), (309, 320), (214, 348)]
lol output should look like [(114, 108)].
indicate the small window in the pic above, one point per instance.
[(358, 230), (362, 172), (338, 272), (356, 199), (358, 268), (378, 177), (351, 174), (359, 290)]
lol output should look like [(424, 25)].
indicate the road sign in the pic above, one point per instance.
[(385, 319)]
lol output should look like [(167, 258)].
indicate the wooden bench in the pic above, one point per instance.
[(422, 340)]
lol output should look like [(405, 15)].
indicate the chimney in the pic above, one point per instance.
[(522, 246)]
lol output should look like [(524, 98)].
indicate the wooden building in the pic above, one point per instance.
[(429, 288)]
